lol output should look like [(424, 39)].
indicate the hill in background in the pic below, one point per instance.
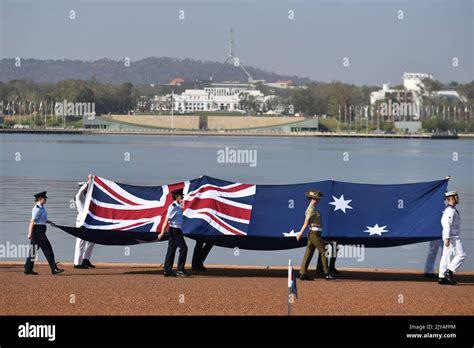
[(145, 71)]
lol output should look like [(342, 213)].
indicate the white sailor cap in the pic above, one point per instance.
[(450, 193)]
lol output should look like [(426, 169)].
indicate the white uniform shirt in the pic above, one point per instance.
[(80, 202), (451, 222)]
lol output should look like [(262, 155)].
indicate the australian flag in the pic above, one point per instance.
[(263, 217)]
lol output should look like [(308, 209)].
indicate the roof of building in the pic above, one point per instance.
[(176, 81)]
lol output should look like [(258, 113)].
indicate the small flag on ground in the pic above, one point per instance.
[(292, 290)]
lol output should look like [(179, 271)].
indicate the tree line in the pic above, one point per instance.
[(108, 98), (314, 99)]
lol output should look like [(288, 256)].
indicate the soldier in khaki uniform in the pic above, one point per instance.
[(313, 220)]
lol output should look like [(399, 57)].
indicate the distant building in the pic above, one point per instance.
[(219, 97), (414, 81), (95, 123), (283, 84), (409, 127), (177, 81), (406, 96), (412, 94)]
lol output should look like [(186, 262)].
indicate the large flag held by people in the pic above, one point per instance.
[(262, 217)]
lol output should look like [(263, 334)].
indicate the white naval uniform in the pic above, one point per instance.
[(451, 223), (83, 247), (435, 245)]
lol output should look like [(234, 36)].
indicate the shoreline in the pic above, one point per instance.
[(141, 289), (237, 133)]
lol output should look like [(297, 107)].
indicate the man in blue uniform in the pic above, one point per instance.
[(201, 250), (37, 235), (174, 218)]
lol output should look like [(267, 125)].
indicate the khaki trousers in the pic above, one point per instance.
[(314, 242)]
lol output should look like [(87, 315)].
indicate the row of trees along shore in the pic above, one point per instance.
[(343, 105)]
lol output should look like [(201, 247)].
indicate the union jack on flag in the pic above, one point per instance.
[(114, 206), (210, 206), (217, 206)]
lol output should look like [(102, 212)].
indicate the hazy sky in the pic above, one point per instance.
[(380, 47)]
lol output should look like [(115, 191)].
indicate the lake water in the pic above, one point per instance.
[(32, 163)]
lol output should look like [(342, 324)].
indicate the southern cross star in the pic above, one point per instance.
[(292, 233), (341, 204), (376, 230)]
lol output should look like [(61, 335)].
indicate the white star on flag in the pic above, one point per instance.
[(376, 230), (341, 204), (292, 233)]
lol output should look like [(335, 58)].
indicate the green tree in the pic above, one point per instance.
[(125, 100), (248, 102), (467, 91), (74, 91)]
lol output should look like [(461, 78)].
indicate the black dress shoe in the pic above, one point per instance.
[(199, 268), (450, 277), (56, 271), (329, 276), (334, 271), (182, 274), (431, 276), (169, 274), (80, 266), (305, 277), (443, 281), (88, 263), (30, 272)]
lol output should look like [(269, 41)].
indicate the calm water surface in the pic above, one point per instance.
[(57, 162)]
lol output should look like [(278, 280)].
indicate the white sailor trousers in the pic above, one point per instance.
[(83, 251), (456, 248)]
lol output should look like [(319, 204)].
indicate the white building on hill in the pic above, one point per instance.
[(412, 93), (212, 99)]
